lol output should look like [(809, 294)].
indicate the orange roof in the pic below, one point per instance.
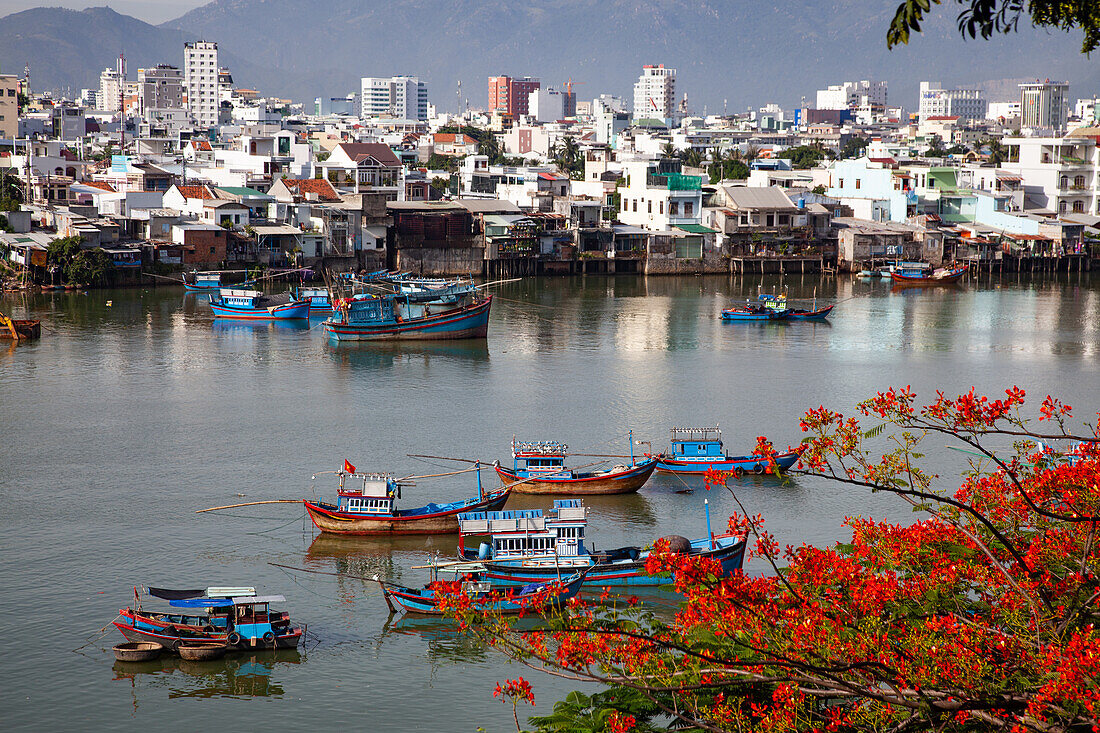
[(201, 145), (195, 192), (457, 138), (319, 186), (100, 184)]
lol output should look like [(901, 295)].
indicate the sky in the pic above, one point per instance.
[(151, 11)]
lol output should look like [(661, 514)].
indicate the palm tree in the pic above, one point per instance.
[(668, 150), (996, 151), (751, 153), (693, 158)]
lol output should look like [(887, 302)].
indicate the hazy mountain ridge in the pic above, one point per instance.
[(732, 50)]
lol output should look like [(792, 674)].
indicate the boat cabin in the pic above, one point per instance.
[(370, 309), (697, 443), (772, 301), (316, 296), (544, 459), (528, 533), (913, 269), (240, 298), (208, 279), (367, 493)]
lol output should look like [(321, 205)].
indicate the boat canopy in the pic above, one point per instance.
[(169, 594), (246, 600), (201, 603)]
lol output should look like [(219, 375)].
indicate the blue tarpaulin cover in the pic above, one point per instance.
[(201, 603)]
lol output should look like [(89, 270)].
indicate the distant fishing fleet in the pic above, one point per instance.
[(507, 561)]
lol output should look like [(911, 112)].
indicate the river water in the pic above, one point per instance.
[(135, 409)]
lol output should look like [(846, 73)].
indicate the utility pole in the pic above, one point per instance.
[(122, 104)]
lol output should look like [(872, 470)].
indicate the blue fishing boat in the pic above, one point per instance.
[(921, 274), (233, 617), (750, 312), (252, 305), (319, 303), (365, 506), (401, 309), (206, 282), (539, 468), (527, 546), (778, 303), (539, 597), (698, 450)]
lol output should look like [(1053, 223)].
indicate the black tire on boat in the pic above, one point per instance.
[(738, 471), (759, 470), (234, 638), (269, 638), (208, 629)]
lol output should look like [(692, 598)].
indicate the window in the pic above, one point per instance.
[(1078, 207), (857, 184), (689, 208), (840, 183), (1062, 207), (660, 207), (635, 204), (649, 207)]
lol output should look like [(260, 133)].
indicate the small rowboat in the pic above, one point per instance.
[(533, 598), (19, 330), (201, 652), (137, 651)]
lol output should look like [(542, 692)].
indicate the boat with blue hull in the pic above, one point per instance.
[(698, 450), (252, 305), (365, 506), (779, 304), (539, 468), (485, 596), (235, 618), (750, 312), (402, 309), (526, 546), (319, 302)]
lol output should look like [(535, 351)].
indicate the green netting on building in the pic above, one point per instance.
[(680, 182)]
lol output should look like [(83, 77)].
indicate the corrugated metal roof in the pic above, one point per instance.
[(744, 197)]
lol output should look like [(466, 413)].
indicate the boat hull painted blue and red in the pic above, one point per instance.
[(730, 464), (287, 311), (429, 519), (622, 482), (468, 322)]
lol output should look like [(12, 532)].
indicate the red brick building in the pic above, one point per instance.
[(509, 95)]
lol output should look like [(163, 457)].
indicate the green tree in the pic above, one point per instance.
[(986, 18), (692, 158), (804, 156), (996, 150), (818, 189), (853, 148), (567, 155), (668, 150)]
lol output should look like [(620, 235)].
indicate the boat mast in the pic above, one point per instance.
[(710, 534), (480, 492), (631, 434)]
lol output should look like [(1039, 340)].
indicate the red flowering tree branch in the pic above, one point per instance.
[(982, 615)]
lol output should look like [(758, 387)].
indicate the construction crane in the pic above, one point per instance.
[(570, 84)]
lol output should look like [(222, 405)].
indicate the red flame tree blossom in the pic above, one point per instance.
[(980, 616)]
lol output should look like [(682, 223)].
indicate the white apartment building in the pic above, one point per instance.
[(1058, 173), (200, 81), (659, 201), (852, 95), (1086, 111), (402, 97), (1044, 104), (9, 106), (655, 93), (1005, 110), (110, 89), (935, 101)]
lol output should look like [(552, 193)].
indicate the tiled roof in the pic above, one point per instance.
[(201, 145), (456, 138), (319, 186), (195, 192), (361, 151), (101, 185)]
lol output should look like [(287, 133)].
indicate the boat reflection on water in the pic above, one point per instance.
[(360, 558), (374, 354), (236, 675), (221, 325)]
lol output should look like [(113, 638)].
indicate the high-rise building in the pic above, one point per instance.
[(512, 96), (9, 106), (853, 95), (655, 93), (401, 97), (200, 81), (935, 101), (160, 87), (1044, 104), (110, 88)]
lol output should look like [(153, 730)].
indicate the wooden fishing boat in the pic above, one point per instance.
[(243, 621), (778, 303), (753, 313), (698, 450), (921, 273), (19, 330), (365, 506), (319, 303), (405, 309), (207, 282), (252, 305), (539, 468), (815, 314), (534, 598), (527, 547)]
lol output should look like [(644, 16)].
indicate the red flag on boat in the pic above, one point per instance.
[(348, 468)]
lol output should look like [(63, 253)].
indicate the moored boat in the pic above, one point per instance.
[(779, 304), (541, 597), (252, 305), (207, 282), (365, 506), (235, 618), (319, 303), (402, 309), (750, 312), (527, 546), (921, 273), (539, 468), (698, 450), (19, 330)]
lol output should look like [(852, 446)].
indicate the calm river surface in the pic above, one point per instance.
[(123, 420)]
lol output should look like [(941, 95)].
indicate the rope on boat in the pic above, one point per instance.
[(442, 458), (98, 635), (448, 473), (250, 503)]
